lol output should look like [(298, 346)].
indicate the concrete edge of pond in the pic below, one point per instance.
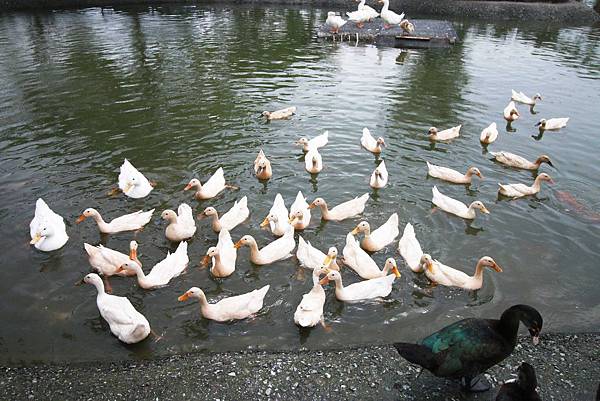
[(571, 11), (567, 367)]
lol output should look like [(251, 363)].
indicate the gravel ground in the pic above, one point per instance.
[(567, 366)]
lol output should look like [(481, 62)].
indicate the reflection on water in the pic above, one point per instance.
[(178, 90)]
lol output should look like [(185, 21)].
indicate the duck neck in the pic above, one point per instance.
[(324, 211), (386, 4), (478, 276), (141, 278), (99, 220), (99, 287), (537, 184), (216, 223), (216, 262), (471, 212), (205, 307), (361, 4), (509, 324), (254, 252)]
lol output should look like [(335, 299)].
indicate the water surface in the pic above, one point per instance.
[(178, 91)]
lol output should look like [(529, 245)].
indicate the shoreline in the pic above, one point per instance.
[(567, 368), (568, 12)]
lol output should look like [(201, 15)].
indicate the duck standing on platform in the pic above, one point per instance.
[(467, 348), (389, 17), (370, 11), (359, 17), (334, 22)]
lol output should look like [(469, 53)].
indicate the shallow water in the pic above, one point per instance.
[(178, 91)]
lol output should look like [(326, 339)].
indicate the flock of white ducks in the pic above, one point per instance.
[(48, 233), (365, 13)]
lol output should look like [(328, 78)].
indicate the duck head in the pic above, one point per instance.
[(479, 205)]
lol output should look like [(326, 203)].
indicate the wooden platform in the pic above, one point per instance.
[(427, 34)]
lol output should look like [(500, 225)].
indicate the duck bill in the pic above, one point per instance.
[(265, 222), (479, 175), (133, 254), (201, 216), (497, 267), (550, 164), (128, 187), (327, 261), (551, 181), (324, 281), (537, 124), (183, 297), (238, 245), (535, 340), (188, 186), (355, 231), (396, 271), (485, 210), (36, 238), (205, 260), (80, 219), (311, 206)]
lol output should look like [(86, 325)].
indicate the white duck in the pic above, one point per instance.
[(450, 175), (511, 113), (330, 261), (281, 114), (367, 9), (379, 178), (299, 212), (231, 308), (223, 256), (312, 258), (552, 124), (310, 310), (211, 188), (441, 274), (107, 261), (381, 237), (262, 167), (334, 22), (520, 97), (235, 216), (128, 222), (388, 16), (279, 249), (160, 275), (313, 162), (182, 225), (47, 229), (489, 134), (512, 160), (363, 290), (445, 135), (277, 219), (370, 143), (359, 17), (360, 261), (317, 142), (132, 182), (346, 210), (520, 190), (125, 322), (456, 207), (410, 249)]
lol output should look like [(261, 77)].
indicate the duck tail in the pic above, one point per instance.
[(417, 354)]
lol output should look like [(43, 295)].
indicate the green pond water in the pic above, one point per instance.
[(178, 91)]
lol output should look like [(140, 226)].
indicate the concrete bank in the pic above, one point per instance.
[(567, 366), (570, 11)]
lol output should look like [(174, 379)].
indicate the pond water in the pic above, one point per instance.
[(178, 91)]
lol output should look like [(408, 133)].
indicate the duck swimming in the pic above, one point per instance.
[(47, 229)]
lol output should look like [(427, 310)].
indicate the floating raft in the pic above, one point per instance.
[(427, 34)]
